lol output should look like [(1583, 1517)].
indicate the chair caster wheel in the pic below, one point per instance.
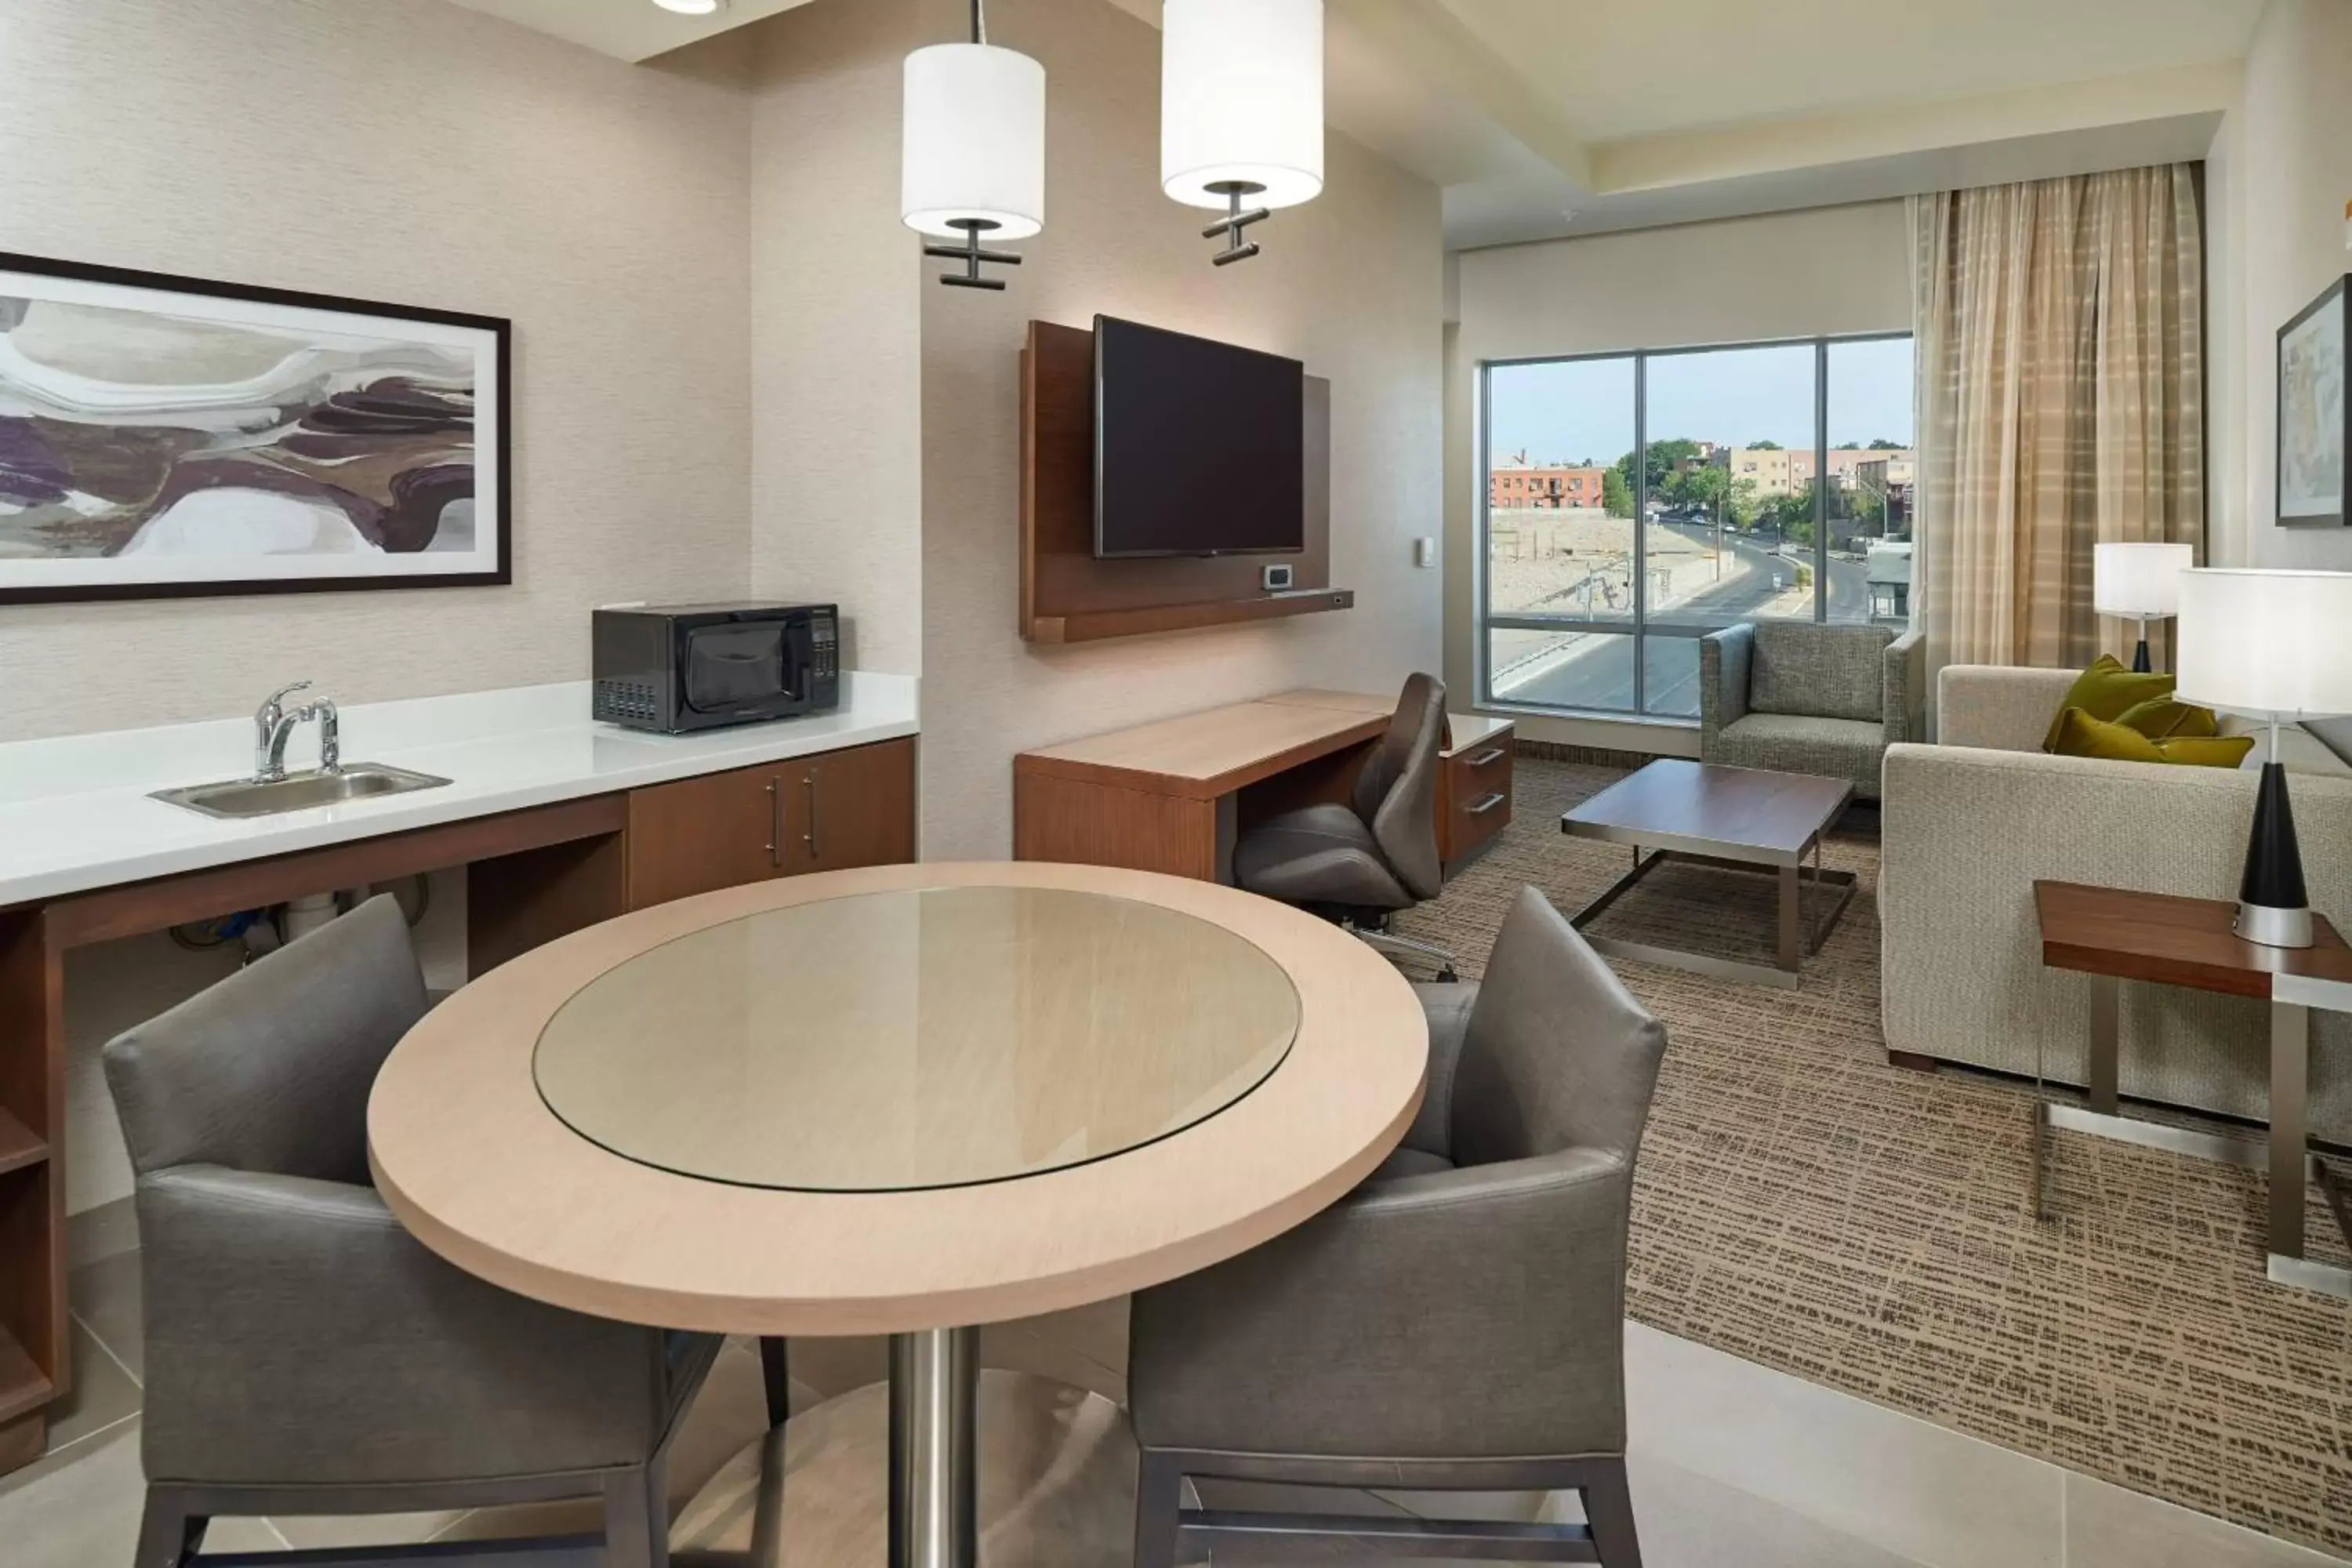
[(1446, 976)]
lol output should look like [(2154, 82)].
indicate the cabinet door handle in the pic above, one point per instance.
[(810, 836), (1491, 754), (1487, 804), (775, 824)]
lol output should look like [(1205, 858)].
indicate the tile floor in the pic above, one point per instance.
[(1734, 1466)]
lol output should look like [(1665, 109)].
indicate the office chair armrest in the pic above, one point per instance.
[(1724, 660), (296, 1333), (1906, 687), (1471, 1313)]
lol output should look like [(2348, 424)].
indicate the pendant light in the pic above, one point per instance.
[(974, 161), (1241, 109)]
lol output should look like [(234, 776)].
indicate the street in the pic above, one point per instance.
[(1594, 670)]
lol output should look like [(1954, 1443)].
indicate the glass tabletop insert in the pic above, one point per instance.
[(926, 1038)]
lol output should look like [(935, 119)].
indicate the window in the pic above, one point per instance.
[(1770, 480)]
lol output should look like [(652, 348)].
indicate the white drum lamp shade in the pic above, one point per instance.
[(2274, 645), (2138, 581), (1241, 102), (2278, 645), (974, 150)]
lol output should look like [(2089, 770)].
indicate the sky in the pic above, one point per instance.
[(1575, 409)]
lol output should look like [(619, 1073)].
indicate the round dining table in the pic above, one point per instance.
[(903, 1101)]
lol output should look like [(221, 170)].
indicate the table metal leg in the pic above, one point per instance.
[(2106, 1042), (934, 1407), (2290, 1075), (1791, 932)]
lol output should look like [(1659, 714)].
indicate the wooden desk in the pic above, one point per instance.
[(1174, 796)]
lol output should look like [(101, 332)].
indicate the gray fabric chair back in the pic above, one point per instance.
[(1396, 793), (1558, 1054), (1818, 671), (269, 1071)]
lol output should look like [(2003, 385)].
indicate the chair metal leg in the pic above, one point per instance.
[(169, 1535), (1609, 1512), (1393, 946), (1158, 1509), (636, 1519), (776, 1377)]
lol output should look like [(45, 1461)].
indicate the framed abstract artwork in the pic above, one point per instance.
[(165, 436), (2314, 422)]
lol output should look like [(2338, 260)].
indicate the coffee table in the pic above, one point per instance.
[(1741, 820)]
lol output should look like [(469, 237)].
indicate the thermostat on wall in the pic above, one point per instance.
[(1276, 579)]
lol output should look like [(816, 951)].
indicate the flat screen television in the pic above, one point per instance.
[(1199, 447)]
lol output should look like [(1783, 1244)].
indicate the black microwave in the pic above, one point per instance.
[(680, 668)]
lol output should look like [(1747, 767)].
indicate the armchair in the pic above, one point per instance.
[(306, 1355), (1455, 1324), (1797, 697)]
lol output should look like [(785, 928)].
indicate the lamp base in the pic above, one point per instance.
[(2140, 664), (2271, 927), (2273, 907)]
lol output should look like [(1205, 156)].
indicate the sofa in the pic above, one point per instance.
[(1797, 697), (1969, 822)]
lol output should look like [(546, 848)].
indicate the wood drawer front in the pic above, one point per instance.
[(1477, 797)]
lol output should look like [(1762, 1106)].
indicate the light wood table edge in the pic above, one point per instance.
[(1362, 1034)]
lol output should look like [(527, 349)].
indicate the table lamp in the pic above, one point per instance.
[(2274, 646), (2138, 582)]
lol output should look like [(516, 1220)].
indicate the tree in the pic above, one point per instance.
[(1763, 446), (1616, 495), (1883, 444)]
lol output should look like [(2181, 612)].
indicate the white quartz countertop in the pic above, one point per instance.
[(75, 812)]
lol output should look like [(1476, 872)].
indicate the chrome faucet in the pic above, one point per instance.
[(273, 725)]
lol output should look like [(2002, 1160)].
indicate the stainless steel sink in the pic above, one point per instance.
[(297, 792)]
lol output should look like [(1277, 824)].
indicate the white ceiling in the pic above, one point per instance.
[(1620, 69), (1544, 117)]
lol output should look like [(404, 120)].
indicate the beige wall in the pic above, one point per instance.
[(2278, 179), (1827, 270), (1350, 283), (404, 149), (836, 490)]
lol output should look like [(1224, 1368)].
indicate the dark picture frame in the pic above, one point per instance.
[(353, 406), (2313, 434)]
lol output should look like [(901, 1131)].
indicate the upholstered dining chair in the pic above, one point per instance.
[(1362, 862), (1457, 1322), (1796, 697), (305, 1354)]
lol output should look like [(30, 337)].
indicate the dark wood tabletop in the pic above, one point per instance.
[(2173, 940), (1670, 802)]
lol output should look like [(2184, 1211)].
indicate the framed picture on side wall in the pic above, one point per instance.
[(2314, 422), (165, 436)]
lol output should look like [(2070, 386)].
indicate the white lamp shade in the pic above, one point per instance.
[(974, 141), (1241, 101), (2267, 643), (2135, 580)]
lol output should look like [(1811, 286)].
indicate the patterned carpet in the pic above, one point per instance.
[(1803, 1204)]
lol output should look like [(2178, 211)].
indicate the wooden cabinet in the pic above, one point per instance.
[(1473, 797), (850, 809), (822, 813)]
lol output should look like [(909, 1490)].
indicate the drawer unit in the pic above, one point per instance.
[(1475, 793)]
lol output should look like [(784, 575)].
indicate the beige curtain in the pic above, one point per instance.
[(2060, 334)]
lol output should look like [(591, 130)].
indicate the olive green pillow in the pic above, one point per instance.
[(2077, 734), (2169, 718), (2106, 692)]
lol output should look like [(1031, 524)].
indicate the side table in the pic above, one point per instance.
[(2113, 935)]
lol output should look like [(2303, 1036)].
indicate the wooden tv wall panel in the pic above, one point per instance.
[(1067, 595)]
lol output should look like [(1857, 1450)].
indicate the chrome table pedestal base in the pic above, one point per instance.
[(1041, 1476)]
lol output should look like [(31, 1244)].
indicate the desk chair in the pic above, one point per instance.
[(1455, 1324), (307, 1355), (1360, 862)]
